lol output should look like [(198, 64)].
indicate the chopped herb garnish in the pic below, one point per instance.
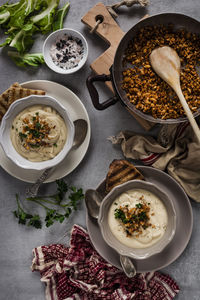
[(139, 205), (38, 125), (35, 130), (55, 145), (119, 214), (22, 136), (134, 219), (34, 145), (142, 216)]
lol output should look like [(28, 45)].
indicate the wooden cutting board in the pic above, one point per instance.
[(112, 34)]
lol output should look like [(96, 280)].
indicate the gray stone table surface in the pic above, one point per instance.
[(17, 282)]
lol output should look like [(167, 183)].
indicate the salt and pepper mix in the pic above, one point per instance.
[(67, 51)]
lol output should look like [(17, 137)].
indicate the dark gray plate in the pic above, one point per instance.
[(183, 226)]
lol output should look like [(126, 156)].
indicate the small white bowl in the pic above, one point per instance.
[(113, 242), (50, 40), (6, 125)]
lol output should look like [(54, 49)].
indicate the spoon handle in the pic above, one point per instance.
[(33, 189), (188, 112)]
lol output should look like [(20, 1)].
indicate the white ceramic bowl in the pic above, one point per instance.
[(50, 40), (112, 241), (6, 125)]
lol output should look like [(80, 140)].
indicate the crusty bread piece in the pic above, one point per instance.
[(120, 171), (19, 92), (14, 92), (4, 99)]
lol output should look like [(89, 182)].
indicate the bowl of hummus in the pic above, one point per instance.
[(36, 132), (137, 219)]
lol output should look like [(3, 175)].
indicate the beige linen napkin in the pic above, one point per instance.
[(175, 151)]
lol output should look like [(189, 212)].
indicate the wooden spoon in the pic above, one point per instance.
[(166, 63)]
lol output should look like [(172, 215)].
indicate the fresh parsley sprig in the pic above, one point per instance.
[(62, 211), (24, 217)]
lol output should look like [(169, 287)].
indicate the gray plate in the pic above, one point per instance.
[(183, 226)]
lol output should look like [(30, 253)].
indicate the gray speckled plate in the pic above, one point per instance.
[(181, 238)]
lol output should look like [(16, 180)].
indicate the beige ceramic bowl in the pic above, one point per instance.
[(6, 124), (112, 241)]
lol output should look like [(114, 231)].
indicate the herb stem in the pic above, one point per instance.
[(18, 203), (38, 199), (52, 214), (38, 202)]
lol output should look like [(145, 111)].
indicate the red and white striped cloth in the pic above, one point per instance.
[(79, 272)]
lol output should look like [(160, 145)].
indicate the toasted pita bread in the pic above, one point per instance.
[(19, 92), (14, 92), (4, 99), (120, 171)]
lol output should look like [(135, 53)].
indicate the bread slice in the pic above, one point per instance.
[(19, 92), (14, 92), (120, 171), (4, 99)]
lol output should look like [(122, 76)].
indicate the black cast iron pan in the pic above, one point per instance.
[(179, 21)]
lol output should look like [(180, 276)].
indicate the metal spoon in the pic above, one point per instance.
[(93, 200), (81, 128), (166, 63)]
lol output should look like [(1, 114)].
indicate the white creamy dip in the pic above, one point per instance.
[(157, 218), (38, 133)]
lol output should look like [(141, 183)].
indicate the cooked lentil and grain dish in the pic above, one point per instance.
[(145, 89)]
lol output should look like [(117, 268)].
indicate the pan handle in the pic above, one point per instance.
[(94, 94)]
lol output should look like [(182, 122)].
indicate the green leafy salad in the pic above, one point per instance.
[(22, 20)]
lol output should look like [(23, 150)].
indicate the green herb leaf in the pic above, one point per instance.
[(75, 196), (38, 125), (4, 16), (50, 217), (139, 205), (59, 18), (22, 216), (22, 135), (23, 19), (35, 222), (52, 214), (119, 214), (44, 20), (68, 212), (62, 189)]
